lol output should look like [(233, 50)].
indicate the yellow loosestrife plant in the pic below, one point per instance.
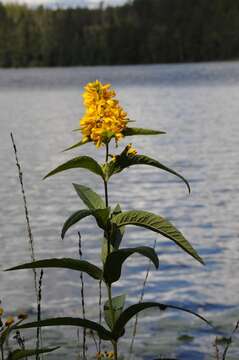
[(105, 121)]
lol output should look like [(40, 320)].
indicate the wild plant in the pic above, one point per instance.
[(105, 121)]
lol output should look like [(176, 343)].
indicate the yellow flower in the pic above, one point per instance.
[(130, 151), (1, 311), (9, 321), (105, 355), (104, 118), (110, 355)]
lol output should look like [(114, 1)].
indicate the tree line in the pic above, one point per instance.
[(141, 31)]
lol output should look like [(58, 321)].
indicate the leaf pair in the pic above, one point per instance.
[(120, 219), (128, 131), (118, 328), (112, 266), (96, 208), (122, 161)]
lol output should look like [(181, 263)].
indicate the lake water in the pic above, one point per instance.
[(198, 106)]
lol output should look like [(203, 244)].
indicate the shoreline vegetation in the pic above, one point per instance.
[(139, 32)]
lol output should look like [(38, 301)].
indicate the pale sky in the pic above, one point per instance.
[(67, 2)]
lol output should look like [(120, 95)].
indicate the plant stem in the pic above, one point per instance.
[(107, 152), (106, 194), (111, 304), (114, 343)]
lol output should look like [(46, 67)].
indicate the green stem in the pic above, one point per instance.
[(115, 348), (111, 304), (112, 314), (106, 194)]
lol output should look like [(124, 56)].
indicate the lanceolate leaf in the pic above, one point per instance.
[(73, 219), (118, 305), (90, 198), (157, 224), (101, 216), (103, 333), (123, 161), (131, 311), (130, 131), (80, 143), (116, 233), (23, 354), (66, 263), (114, 261), (83, 162)]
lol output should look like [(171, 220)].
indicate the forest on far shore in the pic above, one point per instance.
[(139, 32)]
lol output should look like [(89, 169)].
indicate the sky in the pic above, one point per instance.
[(64, 3)]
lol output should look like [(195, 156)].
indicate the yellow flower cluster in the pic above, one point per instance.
[(10, 319), (105, 355), (104, 117)]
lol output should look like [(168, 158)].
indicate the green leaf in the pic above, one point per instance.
[(157, 224), (102, 217), (116, 233), (131, 311), (23, 354), (90, 198), (66, 263), (83, 162), (115, 260), (80, 143), (73, 219), (103, 333), (118, 305), (139, 131), (123, 161)]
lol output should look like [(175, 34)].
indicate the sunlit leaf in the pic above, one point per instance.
[(130, 131), (103, 333), (131, 311), (124, 161), (90, 198), (115, 260), (118, 305), (83, 162), (23, 354), (66, 263), (157, 224), (73, 219)]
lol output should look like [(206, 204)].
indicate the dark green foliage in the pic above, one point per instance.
[(89, 197), (142, 31), (73, 219), (115, 260), (82, 162), (124, 161), (69, 321), (65, 263), (133, 310), (157, 224), (118, 305)]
